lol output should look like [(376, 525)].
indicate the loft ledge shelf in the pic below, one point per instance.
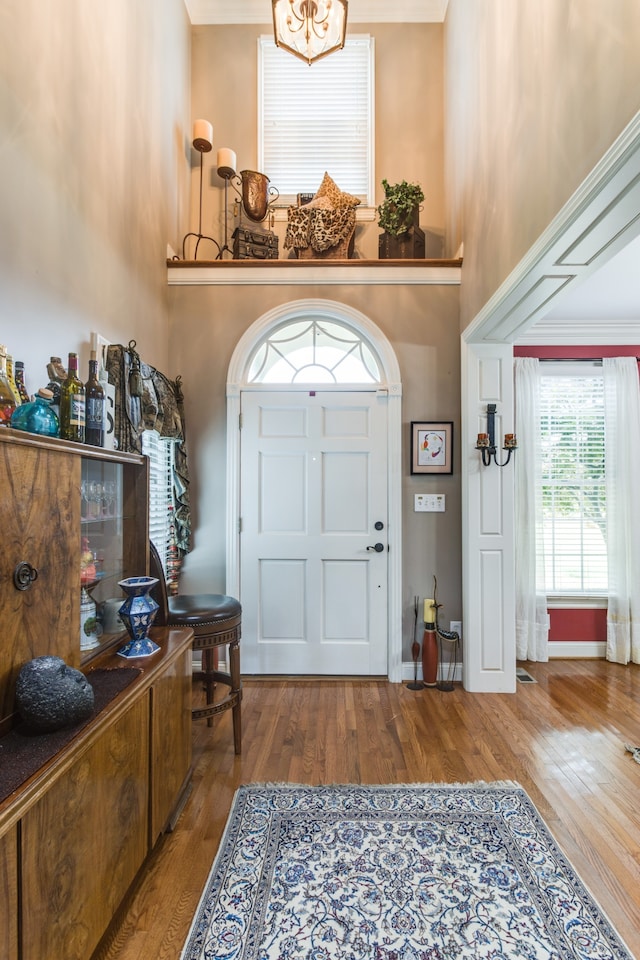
[(316, 272)]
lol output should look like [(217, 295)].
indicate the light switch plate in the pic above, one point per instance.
[(429, 503)]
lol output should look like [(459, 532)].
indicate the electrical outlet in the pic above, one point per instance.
[(457, 626)]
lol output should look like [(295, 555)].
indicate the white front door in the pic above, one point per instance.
[(313, 503)]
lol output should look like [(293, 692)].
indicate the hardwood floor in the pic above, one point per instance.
[(561, 738)]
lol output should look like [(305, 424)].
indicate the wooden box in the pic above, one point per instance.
[(406, 246)]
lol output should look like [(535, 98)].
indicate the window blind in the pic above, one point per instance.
[(316, 119), (161, 454), (573, 484)]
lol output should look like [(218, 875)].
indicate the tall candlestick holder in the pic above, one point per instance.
[(227, 172), (203, 143), (415, 650)]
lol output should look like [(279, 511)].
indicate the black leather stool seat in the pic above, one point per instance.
[(203, 610), (216, 620)]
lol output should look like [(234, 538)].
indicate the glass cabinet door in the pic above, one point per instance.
[(113, 545), (101, 552)]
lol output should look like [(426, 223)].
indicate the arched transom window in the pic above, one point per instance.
[(313, 351)]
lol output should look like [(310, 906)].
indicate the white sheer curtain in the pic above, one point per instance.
[(532, 619), (622, 472)]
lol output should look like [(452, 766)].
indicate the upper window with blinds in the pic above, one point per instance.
[(573, 483), (317, 118)]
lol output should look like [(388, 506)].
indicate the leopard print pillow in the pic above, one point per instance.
[(317, 228), (337, 197)]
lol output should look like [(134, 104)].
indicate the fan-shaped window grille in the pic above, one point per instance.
[(314, 351)]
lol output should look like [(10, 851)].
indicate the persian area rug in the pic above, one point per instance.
[(415, 872)]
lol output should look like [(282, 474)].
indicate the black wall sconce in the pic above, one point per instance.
[(486, 442)]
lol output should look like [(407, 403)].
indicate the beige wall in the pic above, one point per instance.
[(422, 325), (536, 91), (408, 121), (95, 131), (94, 99)]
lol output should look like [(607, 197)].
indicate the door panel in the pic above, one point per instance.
[(280, 621), (345, 492), (313, 484), (344, 622), (282, 486)]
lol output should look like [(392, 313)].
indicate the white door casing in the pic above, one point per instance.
[(313, 487), (597, 221), (237, 384), (488, 552)]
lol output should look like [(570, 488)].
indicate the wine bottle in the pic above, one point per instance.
[(7, 400), (94, 405), (57, 375), (12, 382), (72, 412), (19, 378)]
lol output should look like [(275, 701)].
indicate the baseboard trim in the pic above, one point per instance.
[(577, 649), (558, 650), (443, 672)]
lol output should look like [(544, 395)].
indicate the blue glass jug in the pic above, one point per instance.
[(36, 417)]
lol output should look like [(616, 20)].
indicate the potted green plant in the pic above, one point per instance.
[(398, 216)]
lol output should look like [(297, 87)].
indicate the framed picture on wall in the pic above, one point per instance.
[(431, 446)]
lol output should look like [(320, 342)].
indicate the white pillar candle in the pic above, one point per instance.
[(227, 162), (202, 135), (429, 612)]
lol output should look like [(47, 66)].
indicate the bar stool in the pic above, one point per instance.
[(216, 620)]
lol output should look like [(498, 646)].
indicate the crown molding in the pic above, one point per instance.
[(360, 11), (595, 224), (581, 333)]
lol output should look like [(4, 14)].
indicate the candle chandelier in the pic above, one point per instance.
[(310, 29)]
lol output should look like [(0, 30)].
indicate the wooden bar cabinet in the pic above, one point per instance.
[(76, 832)]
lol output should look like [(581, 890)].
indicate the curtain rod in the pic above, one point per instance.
[(569, 359), (575, 359)]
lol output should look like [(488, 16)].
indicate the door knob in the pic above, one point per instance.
[(378, 547)]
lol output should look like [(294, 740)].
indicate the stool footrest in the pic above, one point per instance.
[(231, 700), (213, 676)]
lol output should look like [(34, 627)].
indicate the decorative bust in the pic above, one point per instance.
[(51, 695)]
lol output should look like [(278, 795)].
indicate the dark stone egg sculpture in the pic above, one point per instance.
[(51, 695)]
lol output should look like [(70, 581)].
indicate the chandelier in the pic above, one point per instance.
[(310, 29)]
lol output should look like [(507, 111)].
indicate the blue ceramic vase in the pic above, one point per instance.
[(138, 613)]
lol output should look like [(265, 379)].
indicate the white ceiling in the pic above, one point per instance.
[(360, 11), (602, 309), (612, 293)]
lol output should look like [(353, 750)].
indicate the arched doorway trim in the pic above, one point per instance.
[(390, 385)]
